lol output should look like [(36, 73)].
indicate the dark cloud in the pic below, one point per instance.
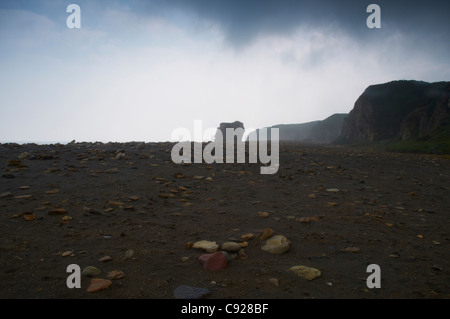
[(243, 20)]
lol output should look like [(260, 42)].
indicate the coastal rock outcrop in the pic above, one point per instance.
[(221, 133), (397, 109)]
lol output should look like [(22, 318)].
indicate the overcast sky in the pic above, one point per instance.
[(137, 70)]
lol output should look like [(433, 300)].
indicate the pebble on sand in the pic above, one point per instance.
[(91, 271), (352, 249), (277, 244), (274, 281), (214, 261), (57, 211), (267, 233), (263, 214), (248, 236), (98, 284), (29, 216), (128, 254), (308, 273), (6, 194), (105, 259), (208, 246), (231, 246), (116, 274)]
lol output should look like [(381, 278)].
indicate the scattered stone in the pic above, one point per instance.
[(67, 253), (91, 271), (189, 292), (105, 259), (23, 196), (352, 249), (199, 177), (334, 190), (94, 211), (119, 156), (6, 194), (263, 214), (305, 272), (66, 219), (23, 156), (128, 254), (277, 244), (242, 255), (24, 187), (312, 195), (29, 216), (115, 274), (184, 258), (248, 236), (333, 204), (213, 262), (98, 284), (231, 246), (8, 175), (274, 281), (52, 191), (57, 211), (267, 233), (14, 163), (306, 220), (208, 246), (115, 203)]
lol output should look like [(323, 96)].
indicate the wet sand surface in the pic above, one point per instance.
[(128, 208)]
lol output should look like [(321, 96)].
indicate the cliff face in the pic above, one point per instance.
[(326, 131), (429, 118), (398, 109), (317, 132)]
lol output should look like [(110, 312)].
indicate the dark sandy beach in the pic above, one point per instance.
[(341, 209)]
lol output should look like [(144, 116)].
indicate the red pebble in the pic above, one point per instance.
[(213, 262)]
